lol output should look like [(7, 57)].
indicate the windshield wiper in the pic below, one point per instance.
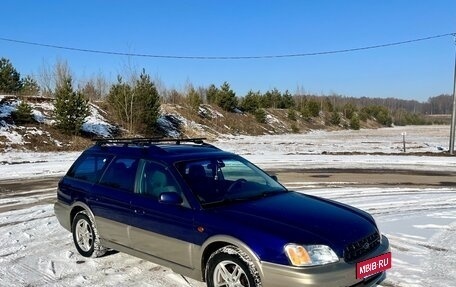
[(220, 202), (229, 200), (264, 194)]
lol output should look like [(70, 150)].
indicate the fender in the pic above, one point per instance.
[(86, 208), (230, 240)]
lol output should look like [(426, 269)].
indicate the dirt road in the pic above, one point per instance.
[(37, 190), (346, 177), (45, 188), (367, 177)]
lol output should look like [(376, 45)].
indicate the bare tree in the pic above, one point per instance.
[(61, 72), (45, 79), (174, 97), (101, 85), (51, 77), (96, 88)]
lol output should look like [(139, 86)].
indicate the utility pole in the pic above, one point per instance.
[(403, 140), (453, 115)]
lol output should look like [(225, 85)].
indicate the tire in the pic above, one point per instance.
[(85, 236), (229, 266)]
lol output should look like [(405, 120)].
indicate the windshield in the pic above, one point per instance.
[(224, 180)]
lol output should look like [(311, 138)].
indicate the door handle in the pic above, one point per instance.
[(139, 211)]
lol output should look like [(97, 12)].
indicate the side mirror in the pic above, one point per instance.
[(274, 177), (170, 198)]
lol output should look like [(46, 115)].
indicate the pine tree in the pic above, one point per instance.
[(354, 122), (251, 102), (226, 98), (211, 94), (260, 116), (147, 103), (349, 110), (71, 108), (137, 108), (291, 115), (121, 100), (29, 86), (194, 99), (287, 101), (313, 107), (10, 79), (23, 114), (335, 118)]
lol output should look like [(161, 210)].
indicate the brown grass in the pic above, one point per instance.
[(52, 139)]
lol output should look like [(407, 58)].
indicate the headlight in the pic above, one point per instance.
[(310, 255)]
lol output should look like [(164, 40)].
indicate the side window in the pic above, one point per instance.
[(121, 174), (89, 167), (156, 179)]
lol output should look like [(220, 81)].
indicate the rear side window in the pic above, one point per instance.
[(89, 167), (121, 174)]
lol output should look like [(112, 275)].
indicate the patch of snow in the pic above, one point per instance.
[(173, 124), (11, 135), (97, 124), (238, 111), (42, 112), (38, 116), (6, 109), (46, 106), (270, 119), (208, 112), (170, 124), (431, 226)]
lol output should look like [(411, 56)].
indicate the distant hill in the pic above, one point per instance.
[(175, 121)]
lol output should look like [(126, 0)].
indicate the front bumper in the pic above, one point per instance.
[(339, 274)]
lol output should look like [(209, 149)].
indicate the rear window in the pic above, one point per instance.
[(89, 167)]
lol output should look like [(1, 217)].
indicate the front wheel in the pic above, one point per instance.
[(85, 236), (230, 267)]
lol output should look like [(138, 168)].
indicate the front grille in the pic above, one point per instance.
[(361, 247)]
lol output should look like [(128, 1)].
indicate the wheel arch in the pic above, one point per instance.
[(78, 207), (219, 241)]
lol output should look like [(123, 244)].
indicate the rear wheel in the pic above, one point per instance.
[(230, 267), (85, 236)]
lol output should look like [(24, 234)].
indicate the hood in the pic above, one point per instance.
[(298, 218)]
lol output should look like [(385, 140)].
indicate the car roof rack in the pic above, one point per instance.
[(149, 141)]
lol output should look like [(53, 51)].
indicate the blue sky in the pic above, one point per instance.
[(244, 28)]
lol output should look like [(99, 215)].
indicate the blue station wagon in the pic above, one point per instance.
[(213, 216)]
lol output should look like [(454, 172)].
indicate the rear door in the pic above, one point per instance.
[(111, 200), (77, 184), (160, 230)]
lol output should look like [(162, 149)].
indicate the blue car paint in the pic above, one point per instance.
[(264, 224), (267, 224)]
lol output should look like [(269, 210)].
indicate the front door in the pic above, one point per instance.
[(161, 230)]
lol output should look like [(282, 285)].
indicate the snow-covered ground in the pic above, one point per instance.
[(382, 140), (419, 221)]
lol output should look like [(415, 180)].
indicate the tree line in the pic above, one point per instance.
[(135, 100), (135, 103)]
